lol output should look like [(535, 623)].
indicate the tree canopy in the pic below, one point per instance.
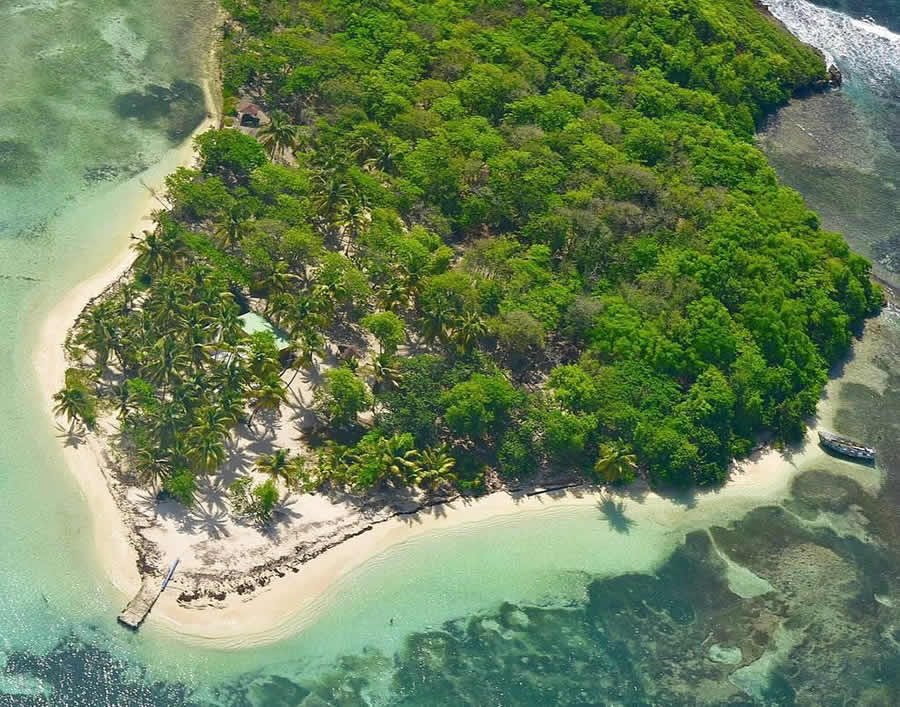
[(559, 203)]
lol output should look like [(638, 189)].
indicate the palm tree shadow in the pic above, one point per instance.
[(72, 436), (282, 515), (168, 508), (265, 423), (237, 461), (614, 513), (148, 502), (211, 493), (313, 376), (209, 519), (305, 420), (297, 393)]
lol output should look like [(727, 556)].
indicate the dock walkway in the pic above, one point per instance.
[(133, 615)]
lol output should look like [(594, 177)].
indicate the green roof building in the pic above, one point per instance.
[(253, 323)]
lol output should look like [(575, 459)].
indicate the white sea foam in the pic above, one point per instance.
[(869, 51)]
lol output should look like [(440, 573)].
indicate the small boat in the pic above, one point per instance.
[(847, 447), (169, 576)]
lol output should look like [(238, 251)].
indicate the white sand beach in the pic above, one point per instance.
[(86, 460), (289, 603), (318, 540), (237, 586)]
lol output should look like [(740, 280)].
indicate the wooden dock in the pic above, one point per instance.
[(134, 614)]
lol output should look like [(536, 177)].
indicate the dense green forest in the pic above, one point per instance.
[(550, 216)]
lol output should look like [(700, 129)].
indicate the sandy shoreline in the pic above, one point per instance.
[(85, 461), (284, 605), (278, 607)]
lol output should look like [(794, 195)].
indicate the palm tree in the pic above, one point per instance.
[(163, 306), (153, 466), (386, 376), (74, 402), (352, 220), (275, 465), (332, 195), (321, 303), (169, 361), (262, 364), (231, 378), (434, 466), (396, 462), (234, 226), (196, 341), (226, 314), (190, 392), (364, 147), (391, 457), (616, 462), (393, 296), (411, 272), (306, 311), (328, 158), (161, 248), (280, 465), (385, 156), (150, 251), (279, 135), (231, 407), (98, 332), (128, 293), (124, 401), (167, 424), (279, 279), (334, 463), (269, 396), (468, 331), (437, 317), (205, 445), (309, 343)]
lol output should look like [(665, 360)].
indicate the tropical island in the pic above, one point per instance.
[(452, 248)]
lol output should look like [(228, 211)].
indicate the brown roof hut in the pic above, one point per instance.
[(249, 114)]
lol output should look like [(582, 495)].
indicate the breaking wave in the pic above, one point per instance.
[(859, 47)]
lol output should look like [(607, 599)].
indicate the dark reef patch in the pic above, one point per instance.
[(177, 109), (815, 491), (19, 162), (115, 172), (675, 636), (76, 674)]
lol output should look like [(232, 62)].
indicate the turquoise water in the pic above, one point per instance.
[(73, 151), (623, 601)]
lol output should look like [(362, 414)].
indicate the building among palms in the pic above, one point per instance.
[(250, 115), (253, 323)]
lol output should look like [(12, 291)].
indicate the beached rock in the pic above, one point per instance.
[(835, 76)]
